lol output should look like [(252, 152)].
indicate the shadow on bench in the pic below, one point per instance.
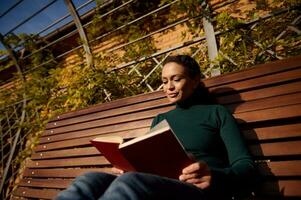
[(265, 100)]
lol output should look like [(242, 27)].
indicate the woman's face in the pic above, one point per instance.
[(177, 84)]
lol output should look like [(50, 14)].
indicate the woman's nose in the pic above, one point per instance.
[(170, 86)]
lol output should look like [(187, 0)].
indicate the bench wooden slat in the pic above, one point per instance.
[(259, 150), (259, 82), (274, 168), (280, 168), (269, 114), (46, 183), (109, 121), (65, 153), (109, 113), (289, 148), (249, 106), (98, 131), (62, 172), (274, 90), (271, 168), (273, 132), (259, 70), (86, 140), (36, 193), (68, 162), (284, 89), (288, 188), (270, 102), (110, 105)]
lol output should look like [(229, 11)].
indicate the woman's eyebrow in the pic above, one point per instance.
[(172, 76)]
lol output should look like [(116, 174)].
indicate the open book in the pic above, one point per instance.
[(157, 152)]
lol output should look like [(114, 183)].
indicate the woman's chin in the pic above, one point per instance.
[(173, 100)]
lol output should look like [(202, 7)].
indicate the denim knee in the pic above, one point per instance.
[(87, 186), (126, 186), (94, 176)]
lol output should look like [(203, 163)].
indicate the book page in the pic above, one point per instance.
[(159, 128)]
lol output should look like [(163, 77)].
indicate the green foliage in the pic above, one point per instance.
[(243, 47)]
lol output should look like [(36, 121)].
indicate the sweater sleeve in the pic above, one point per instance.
[(241, 173)]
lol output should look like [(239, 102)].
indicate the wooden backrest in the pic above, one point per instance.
[(265, 100)]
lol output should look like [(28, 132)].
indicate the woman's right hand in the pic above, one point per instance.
[(198, 174), (117, 171)]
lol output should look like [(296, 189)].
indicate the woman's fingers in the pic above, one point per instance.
[(185, 177), (202, 182), (197, 166), (117, 171), (197, 174)]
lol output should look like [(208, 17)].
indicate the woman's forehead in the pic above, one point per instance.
[(173, 68)]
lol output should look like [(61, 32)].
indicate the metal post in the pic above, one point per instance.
[(81, 32), (211, 40)]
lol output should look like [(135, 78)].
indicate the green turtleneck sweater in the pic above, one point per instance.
[(210, 133)]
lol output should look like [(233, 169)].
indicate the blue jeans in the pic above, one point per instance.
[(129, 186)]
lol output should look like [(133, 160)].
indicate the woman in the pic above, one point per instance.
[(208, 131)]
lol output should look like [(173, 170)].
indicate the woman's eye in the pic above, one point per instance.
[(177, 79)]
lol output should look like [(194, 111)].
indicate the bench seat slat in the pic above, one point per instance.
[(109, 113), (62, 172), (137, 107), (46, 183), (110, 105), (269, 114), (288, 188), (266, 103), (273, 168), (274, 90), (36, 193), (86, 140), (109, 121), (98, 131), (290, 148), (259, 70), (259, 82), (65, 153), (280, 168), (244, 107), (273, 132), (69, 162)]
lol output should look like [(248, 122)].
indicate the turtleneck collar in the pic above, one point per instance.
[(190, 101), (199, 96)]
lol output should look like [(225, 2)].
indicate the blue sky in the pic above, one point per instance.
[(27, 7)]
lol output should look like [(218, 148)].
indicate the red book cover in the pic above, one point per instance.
[(109, 147), (157, 152)]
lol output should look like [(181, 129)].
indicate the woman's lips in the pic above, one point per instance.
[(172, 95)]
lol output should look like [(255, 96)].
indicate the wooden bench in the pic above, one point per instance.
[(265, 100)]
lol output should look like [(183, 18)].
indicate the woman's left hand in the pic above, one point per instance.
[(198, 174)]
